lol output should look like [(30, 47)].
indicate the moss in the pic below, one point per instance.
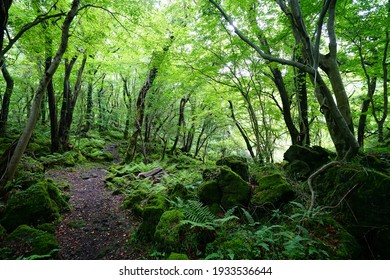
[(151, 216), (32, 206), (235, 191), (236, 247), (336, 240), (3, 232), (134, 201), (363, 197), (209, 192), (93, 153), (177, 256), (36, 242), (298, 170), (273, 190), (184, 192), (238, 164), (57, 196), (167, 232), (50, 228), (29, 172)]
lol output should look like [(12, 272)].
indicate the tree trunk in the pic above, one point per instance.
[(6, 98), (20, 148), (88, 113), (181, 123), (4, 8), (132, 148), (363, 113), (139, 119), (69, 101), (242, 131)]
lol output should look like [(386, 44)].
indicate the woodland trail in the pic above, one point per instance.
[(96, 227)]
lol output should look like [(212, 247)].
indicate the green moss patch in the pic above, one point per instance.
[(40, 203), (272, 190), (167, 232), (30, 241)]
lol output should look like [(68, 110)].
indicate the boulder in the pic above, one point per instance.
[(225, 187), (40, 203), (36, 242), (298, 170), (151, 214), (210, 192), (314, 157), (236, 163), (272, 191), (234, 190), (362, 196), (167, 232)]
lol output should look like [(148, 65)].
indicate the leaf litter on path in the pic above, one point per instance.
[(96, 227)]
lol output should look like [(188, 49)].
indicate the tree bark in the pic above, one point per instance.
[(242, 131), (20, 148), (181, 123), (6, 98), (69, 101), (4, 8)]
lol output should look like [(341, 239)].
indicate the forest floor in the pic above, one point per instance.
[(96, 227)]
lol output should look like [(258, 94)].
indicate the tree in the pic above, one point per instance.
[(8, 171), (338, 116), (157, 59)]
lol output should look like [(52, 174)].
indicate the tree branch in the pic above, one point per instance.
[(265, 56), (39, 19)]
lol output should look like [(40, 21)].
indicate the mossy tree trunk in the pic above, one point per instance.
[(9, 171)]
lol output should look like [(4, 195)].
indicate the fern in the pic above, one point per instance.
[(199, 215)]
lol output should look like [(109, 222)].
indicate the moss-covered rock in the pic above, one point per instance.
[(177, 256), (40, 203), (35, 241), (235, 191), (314, 156), (134, 201), (210, 192), (236, 163), (298, 170), (184, 192), (272, 191), (363, 197), (56, 195), (48, 227), (151, 216), (337, 242), (29, 172), (225, 187), (167, 232)]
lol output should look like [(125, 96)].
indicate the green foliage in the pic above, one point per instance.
[(199, 215)]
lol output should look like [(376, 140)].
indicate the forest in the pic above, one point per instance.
[(194, 129)]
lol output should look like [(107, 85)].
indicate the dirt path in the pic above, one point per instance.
[(96, 227)]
